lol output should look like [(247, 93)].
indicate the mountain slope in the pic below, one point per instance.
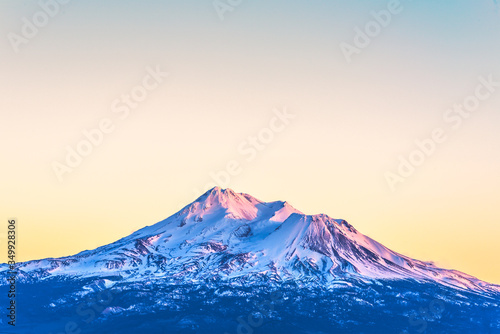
[(225, 236)]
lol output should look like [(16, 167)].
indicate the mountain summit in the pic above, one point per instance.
[(230, 263), (231, 237)]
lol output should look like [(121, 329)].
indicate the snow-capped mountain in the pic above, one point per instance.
[(224, 236), (229, 263)]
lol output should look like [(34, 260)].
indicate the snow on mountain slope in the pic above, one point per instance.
[(228, 236)]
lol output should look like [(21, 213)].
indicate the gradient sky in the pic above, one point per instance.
[(352, 120)]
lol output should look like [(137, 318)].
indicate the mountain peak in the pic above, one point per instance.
[(218, 189), (226, 239), (227, 235), (219, 193), (225, 197), (241, 205)]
